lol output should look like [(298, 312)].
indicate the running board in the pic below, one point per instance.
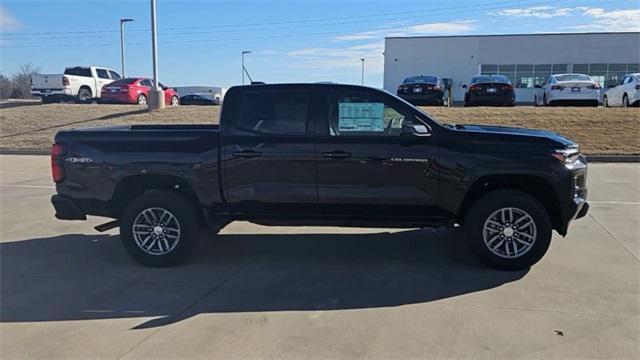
[(108, 226)]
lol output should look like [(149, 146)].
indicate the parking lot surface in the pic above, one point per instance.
[(270, 292)]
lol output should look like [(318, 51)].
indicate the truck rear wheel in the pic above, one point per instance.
[(159, 228), (508, 229), (84, 96)]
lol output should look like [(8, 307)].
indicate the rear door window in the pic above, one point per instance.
[(102, 73), (146, 82), (277, 112)]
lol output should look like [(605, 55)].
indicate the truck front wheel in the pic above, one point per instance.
[(508, 229), (159, 228)]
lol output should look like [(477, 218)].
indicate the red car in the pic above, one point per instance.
[(135, 91)]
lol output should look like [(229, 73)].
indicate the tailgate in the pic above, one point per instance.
[(46, 81)]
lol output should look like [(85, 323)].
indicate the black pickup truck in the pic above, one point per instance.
[(321, 154)]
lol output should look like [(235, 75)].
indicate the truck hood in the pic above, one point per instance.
[(505, 132)]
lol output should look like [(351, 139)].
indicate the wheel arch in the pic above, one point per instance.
[(536, 186), (133, 186)]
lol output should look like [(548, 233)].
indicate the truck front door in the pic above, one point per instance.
[(268, 151), (364, 159)]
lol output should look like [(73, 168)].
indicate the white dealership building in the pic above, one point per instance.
[(527, 59)]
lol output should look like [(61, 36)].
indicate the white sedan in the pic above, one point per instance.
[(627, 93), (568, 89)]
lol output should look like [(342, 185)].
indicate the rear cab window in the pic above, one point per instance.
[(114, 75), (78, 71)]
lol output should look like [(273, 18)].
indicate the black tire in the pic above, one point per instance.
[(171, 250), (141, 100), (535, 101), (84, 96), (482, 210), (605, 101), (544, 100), (625, 100)]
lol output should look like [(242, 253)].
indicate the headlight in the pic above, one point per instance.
[(568, 154)]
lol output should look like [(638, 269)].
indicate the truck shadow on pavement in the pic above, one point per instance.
[(86, 277)]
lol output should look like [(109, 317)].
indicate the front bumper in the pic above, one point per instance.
[(67, 209), (505, 99), (578, 206)]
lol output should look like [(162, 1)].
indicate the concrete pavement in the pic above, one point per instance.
[(267, 292)]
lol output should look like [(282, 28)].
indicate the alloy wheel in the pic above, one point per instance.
[(156, 231), (509, 232)]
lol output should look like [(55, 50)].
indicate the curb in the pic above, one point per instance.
[(590, 158), (24, 152), (613, 158)]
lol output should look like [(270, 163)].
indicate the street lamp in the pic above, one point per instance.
[(122, 21), (243, 69), (362, 70), (156, 95)]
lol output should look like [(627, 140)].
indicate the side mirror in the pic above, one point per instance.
[(464, 86), (416, 130)]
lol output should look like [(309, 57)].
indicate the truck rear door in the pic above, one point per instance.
[(365, 160), (268, 151)]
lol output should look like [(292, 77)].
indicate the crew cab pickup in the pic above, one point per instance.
[(82, 84), (321, 154)]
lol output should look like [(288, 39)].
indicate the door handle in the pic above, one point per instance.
[(337, 154), (247, 154)]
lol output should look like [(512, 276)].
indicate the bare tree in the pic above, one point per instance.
[(21, 81), (5, 87)]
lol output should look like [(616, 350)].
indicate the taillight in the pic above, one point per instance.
[(401, 88), (507, 87), (124, 89), (57, 170), (557, 87), (474, 87), (593, 87), (65, 81)]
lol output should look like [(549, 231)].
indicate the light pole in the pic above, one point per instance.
[(156, 95), (362, 70), (243, 69), (122, 21)]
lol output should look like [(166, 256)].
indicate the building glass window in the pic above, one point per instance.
[(524, 76)]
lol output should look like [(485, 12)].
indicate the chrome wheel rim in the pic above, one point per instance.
[(509, 232), (142, 100), (156, 231), (174, 101)]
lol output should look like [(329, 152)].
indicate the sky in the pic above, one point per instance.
[(200, 42)]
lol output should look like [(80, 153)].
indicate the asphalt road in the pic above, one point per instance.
[(258, 292)]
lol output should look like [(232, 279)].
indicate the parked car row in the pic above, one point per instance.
[(434, 90), (86, 84), (558, 89)]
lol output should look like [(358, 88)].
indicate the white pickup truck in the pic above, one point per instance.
[(80, 83)]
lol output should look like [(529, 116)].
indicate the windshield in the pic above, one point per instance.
[(490, 79), (420, 79), (573, 77)]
